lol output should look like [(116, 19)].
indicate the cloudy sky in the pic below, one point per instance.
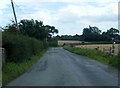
[(68, 16)]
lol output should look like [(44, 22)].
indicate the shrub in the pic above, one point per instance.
[(19, 47)]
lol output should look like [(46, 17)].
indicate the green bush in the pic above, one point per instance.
[(19, 47)]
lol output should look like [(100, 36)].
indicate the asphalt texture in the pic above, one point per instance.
[(59, 67)]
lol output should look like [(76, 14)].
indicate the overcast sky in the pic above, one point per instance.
[(68, 16)]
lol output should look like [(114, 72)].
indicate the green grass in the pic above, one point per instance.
[(12, 70), (0, 78), (100, 56)]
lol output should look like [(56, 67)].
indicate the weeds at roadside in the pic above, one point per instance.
[(12, 70)]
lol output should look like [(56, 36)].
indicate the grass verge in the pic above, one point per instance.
[(112, 60), (12, 70)]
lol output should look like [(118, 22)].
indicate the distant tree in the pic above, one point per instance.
[(91, 34), (70, 37), (94, 30), (58, 37), (111, 33)]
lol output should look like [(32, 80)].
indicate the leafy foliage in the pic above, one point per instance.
[(28, 39), (91, 34), (33, 28), (70, 37), (19, 47)]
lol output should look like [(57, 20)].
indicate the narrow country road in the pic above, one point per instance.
[(59, 67)]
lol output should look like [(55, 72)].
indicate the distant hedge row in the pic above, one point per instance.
[(19, 47), (53, 42)]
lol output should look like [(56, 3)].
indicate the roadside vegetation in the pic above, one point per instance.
[(25, 42), (105, 43), (12, 70), (19, 47), (106, 58), (24, 45)]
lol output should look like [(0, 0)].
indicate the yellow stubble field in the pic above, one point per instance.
[(102, 47)]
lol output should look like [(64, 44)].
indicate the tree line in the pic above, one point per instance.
[(93, 34), (32, 28)]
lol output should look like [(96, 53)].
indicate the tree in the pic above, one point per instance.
[(91, 34), (11, 27), (34, 28), (95, 30), (111, 33), (50, 30)]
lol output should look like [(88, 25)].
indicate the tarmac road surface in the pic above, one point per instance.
[(59, 67)]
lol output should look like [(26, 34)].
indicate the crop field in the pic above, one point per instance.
[(103, 47), (61, 42)]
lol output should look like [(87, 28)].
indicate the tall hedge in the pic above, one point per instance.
[(19, 47)]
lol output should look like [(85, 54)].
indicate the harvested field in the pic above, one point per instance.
[(103, 47), (61, 42)]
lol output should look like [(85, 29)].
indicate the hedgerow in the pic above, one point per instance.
[(20, 47)]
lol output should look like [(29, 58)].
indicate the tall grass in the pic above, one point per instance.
[(100, 56)]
